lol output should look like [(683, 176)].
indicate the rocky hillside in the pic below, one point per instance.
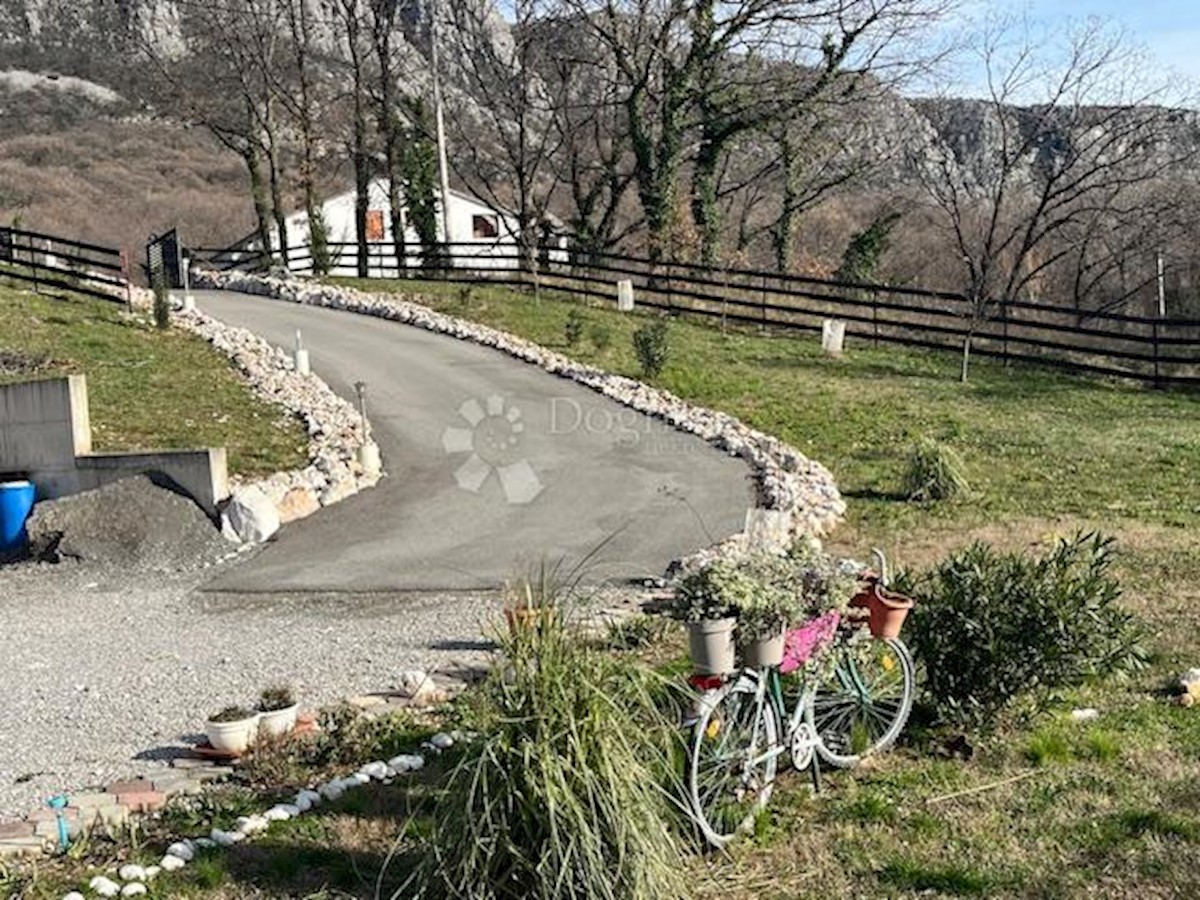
[(76, 155)]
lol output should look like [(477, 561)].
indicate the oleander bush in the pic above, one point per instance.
[(991, 626)]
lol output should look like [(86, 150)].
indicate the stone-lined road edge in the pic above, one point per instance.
[(798, 495)]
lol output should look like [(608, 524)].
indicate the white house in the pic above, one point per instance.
[(480, 236)]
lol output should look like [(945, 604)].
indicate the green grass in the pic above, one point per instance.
[(147, 389)]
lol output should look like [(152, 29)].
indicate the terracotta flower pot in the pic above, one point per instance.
[(763, 652), (888, 611), (527, 616), (712, 647)]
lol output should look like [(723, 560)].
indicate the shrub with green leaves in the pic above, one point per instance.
[(568, 790), (652, 346), (934, 472), (991, 626), (574, 326)]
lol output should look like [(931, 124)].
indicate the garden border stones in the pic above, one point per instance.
[(796, 495), (334, 426)]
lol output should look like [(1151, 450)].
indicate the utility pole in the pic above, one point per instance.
[(439, 121)]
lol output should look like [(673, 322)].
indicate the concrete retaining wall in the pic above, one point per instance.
[(46, 436)]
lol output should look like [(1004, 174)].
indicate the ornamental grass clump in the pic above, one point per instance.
[(568, 790), (935, 472)]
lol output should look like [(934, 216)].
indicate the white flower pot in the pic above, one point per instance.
[(278, 722), (711, 644), (232, 737)]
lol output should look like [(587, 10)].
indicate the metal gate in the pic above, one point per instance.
[(164, 260)]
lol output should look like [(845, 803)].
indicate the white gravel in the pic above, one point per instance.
[(103, 671)]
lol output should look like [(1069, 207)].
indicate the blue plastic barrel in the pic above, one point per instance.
[(16, 500)]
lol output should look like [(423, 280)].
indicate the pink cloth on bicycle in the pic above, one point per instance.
[(802, 643)]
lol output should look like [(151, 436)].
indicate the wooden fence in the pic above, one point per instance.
[(1163, 352), (51, 261)]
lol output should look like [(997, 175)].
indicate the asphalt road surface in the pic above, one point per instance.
[(493, 466)]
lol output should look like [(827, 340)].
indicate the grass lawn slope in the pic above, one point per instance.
[(148, 389)]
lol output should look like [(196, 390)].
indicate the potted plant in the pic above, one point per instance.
[(530, 600), (767, 600), (702, 603), (232, 729), (277, 709), (886, 609)]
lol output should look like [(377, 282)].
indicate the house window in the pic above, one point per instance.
[(483, 227), (374, 224)]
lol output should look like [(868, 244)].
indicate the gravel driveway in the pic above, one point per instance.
[(102, 671)]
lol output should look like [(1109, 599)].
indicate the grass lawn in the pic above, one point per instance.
[(1046, 806), (148, 389)]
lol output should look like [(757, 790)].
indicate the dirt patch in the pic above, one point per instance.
[(131, 523)]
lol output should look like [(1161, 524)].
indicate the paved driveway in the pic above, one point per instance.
[(493, 466)]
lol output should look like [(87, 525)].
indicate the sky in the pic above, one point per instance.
[(1169, 29)]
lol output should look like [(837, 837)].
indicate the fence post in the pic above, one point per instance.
[(33, 265), (1154, 327), (1004, 325), (875, 315), (128, 283), (764, 301)]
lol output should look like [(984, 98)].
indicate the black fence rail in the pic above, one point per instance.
[(50, 261), (1163, 352)]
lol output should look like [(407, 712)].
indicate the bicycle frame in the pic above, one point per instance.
[(769, 689)]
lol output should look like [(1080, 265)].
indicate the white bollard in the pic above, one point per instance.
[(189, 302), (302, 364), (368, 458), (833, 336), (625, 295)]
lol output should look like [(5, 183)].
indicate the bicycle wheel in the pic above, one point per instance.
[(860, 709), (732, 766)]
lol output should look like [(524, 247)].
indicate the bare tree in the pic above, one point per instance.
[(703, 74), (787, 68), (502, 127), (216, 81), (1075, 135), (351, 26)]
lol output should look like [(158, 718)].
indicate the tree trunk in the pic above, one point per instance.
[(785, 226), (262, 205), (966, 355), (362, 196), (705, 211), (276, 183)]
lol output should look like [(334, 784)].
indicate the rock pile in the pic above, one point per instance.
[(788, 482), (133, 523)]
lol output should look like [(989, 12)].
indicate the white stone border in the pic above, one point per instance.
[(333, 425), (799, 491), (180, 853)]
